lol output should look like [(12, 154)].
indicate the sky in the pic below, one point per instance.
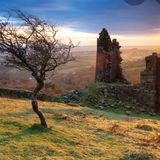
[(82, 20)]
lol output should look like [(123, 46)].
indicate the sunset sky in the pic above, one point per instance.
[(82, 20)]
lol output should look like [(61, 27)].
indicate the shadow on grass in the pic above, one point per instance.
[(62, 111), (12, 123), (18, 114), (35, 129)]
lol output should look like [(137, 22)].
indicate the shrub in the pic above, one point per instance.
[(145, 127), (136, 156)]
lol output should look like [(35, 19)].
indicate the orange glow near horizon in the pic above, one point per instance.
[(87, 39)]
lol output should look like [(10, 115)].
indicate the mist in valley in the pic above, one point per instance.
[(78, 73)]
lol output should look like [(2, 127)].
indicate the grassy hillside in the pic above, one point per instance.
[(75, 133)]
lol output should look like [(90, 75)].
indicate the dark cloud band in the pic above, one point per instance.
[(158, 1), (137, 2), (134, 2)]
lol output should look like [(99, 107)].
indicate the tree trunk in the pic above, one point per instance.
[(35, 104)]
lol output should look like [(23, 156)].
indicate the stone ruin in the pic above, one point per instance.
[(108, 69), (150, 79), (108, 63)]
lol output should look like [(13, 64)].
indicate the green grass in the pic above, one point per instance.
[(74, 133)]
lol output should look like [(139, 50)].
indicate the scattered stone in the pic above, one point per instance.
[(76, 92), (133, 108), (128, 113), (112, 105), (134, 100), (128, 107), (109, 106), (75, 97), (142, 110), (101, 107), (65, 97), (103, 101), (105, 92), (153, 114), (105, 105)]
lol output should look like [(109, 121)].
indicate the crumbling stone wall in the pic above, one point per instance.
[(147, 92), (150, 79), (158, 86), (17, 94), (116, 70), (108, 69), (108, 61), (134, 93)]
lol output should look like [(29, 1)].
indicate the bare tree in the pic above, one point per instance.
[(31, 44)]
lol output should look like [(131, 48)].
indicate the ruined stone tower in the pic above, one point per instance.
[(150, 79), (108, 60)]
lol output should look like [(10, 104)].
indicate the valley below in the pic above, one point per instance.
[(78, 73)]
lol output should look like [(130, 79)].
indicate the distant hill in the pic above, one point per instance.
[(94, 48), (79, 73), (84, 49)]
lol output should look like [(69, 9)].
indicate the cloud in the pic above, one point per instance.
[(140, 40), (83, 37), (83, 19), (86, 38), (155, 29)]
